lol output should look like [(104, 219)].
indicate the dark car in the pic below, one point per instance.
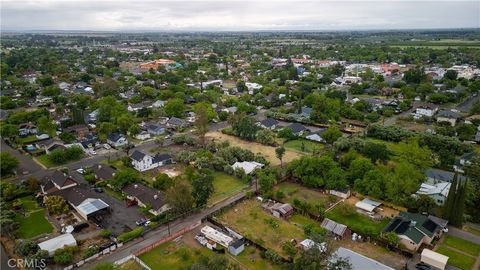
[(423, 266)]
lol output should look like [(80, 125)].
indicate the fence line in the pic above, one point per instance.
[(167, 238)]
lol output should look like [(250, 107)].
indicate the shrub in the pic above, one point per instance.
[(89, 252), (125, 237), (105, 233)]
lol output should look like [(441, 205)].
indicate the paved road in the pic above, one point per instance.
[(161, 232), (467, 104), (464, 235), (26, 163), (4, 259)]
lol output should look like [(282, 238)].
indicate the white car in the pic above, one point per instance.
[(81, 171), (107, 146), (93, 152)]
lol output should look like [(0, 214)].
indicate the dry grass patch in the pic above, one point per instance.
[(267, 151)]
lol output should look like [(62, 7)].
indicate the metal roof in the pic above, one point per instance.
[(91, 206)]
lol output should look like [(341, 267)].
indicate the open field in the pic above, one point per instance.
[(225, 186), (249, 219), (251, 258), (308, 146), (456, 258), (463, 245), (267, 151), (130, 265), (171, 255), (295, 191), (357, 222)]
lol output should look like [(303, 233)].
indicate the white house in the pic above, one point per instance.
[(117, 140), (142, 136), (427, 110), (437, 191), (143, 162)]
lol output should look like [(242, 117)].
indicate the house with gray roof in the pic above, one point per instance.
[(145, 196), (448, 116), (144, 162)]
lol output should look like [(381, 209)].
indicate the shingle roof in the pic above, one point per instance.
[(269, 122), (296, 127), (103, 172), (449, 114), (61, 179), (145, 194), (440, 175), (161, 157), (137, 155), (414, 226)]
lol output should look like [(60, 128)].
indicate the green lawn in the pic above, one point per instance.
[(45, 161), (33, 224), (463, 245), (25, 140), (457, 259), (170, 256), (308, 146), (29, 203), (225, 186), (292, 191), (357, 222)]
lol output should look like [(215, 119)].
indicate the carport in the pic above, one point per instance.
[(434, 259)]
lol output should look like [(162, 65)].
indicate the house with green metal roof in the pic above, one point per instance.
[(413, 229)]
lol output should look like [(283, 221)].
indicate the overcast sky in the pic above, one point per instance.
[(236, 15)]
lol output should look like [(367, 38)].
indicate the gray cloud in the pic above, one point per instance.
[(237, 15)]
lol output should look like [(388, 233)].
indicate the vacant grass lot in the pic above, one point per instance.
[(33, 224), (358, 223), (225, 186), (292, 191), (251, 258), (170, 256), (303, 146), (249, 219), (266, 151), (463, 245), (456, 258)]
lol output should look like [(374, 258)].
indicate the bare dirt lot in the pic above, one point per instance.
[(267, 151)]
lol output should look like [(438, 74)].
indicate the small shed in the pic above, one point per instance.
[(58, 242), (335, 228), (367, 205), (237, 247), (434, 259)]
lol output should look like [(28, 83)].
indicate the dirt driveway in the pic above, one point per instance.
[(267, 151)]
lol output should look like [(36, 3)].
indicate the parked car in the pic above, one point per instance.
[(107, 146), (97, 189), (140, 222), (81, 171), (423, 266)]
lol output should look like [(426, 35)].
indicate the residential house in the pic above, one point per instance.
[(79, 198), (175, 123), (155, 130), (413, 230), (117, 140), (54, 145), (316, 136), (143, 135), (143, 162), (26, 129), (477, 136), (268, 123), (79, 131), (465, 159), (57, 181), (232, 109), (90, 141), (146, 197), (298, 129), (247, 166), (437, 175), (135, 107), (437, 191), (427, 110), (103, 172), (448, 116)]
